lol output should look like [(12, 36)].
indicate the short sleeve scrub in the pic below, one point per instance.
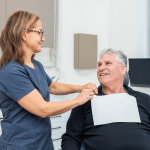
[(22, 130)]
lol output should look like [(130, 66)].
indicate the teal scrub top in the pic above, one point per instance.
[(22, 130)]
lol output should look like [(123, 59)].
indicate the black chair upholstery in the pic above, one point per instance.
[(83, 146), (126, 80)]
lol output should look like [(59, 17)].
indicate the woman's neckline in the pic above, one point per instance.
[(33, 65)]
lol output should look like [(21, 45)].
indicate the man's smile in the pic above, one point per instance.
[(103, 74)]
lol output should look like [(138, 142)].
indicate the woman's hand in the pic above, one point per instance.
[(90, 86), (85, 95)]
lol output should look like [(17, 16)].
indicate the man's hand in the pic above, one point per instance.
[(90, 86)]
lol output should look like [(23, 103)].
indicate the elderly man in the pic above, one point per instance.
[(113, 136)]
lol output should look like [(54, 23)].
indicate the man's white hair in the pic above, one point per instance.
[(120, 56)]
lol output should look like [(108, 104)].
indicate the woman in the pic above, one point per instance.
[(25, 87)]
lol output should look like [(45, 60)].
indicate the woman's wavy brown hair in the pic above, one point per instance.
[(11, 36)]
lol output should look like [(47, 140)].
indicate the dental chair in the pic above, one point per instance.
[(126, 82)]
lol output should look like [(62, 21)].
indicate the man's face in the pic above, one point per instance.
[(109, 70)]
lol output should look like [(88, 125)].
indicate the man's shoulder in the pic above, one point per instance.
[(138, 94)]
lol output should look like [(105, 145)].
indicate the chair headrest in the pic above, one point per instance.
[(126, 80)]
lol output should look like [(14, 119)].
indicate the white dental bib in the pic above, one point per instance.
[(113, 108)]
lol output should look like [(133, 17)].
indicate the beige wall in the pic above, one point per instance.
[(42, 8)]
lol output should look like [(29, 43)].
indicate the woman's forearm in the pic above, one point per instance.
[(35, 104), (63, 89), (56, 108)]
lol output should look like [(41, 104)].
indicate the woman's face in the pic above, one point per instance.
[(34, 38)]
